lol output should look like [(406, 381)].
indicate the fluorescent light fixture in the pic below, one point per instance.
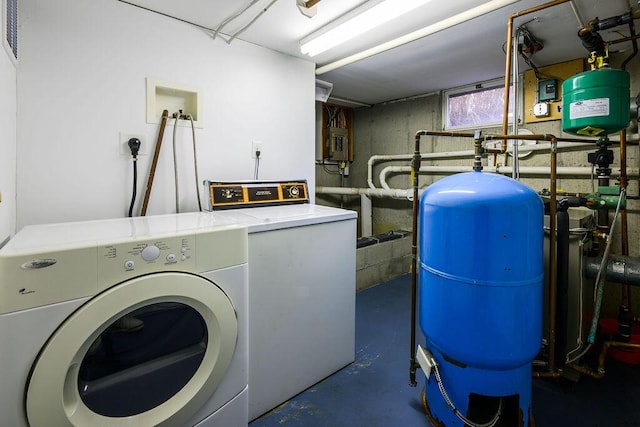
[(355, 23)]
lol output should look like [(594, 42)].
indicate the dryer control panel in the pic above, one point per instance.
[(170, 252), (246, 194), (119, 261)]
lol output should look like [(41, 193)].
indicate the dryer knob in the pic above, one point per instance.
[(150, 253)]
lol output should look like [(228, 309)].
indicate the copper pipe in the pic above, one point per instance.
[(586, 371), (507, 72), (552, 374), (553, 267), (154, 163), (625, 39), (605, 347), (599, 374), (634, 45)]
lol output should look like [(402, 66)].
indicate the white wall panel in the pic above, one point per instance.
[(81, 82), (7, 145)]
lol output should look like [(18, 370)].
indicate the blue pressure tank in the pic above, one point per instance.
[(480, 292)]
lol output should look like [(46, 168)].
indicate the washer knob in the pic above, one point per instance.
[(171, 258), (128, 265), (150, 253)]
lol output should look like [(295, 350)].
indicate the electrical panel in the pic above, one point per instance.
[(338, 144), (336, 138)]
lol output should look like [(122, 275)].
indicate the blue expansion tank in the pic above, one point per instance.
[(480, 294)]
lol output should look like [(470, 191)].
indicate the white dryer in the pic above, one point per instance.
[(126, 322)]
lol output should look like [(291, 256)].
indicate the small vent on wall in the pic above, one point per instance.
[(12, 26)]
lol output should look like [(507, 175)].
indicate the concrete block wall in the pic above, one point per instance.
[(389, 128), (382, 261)]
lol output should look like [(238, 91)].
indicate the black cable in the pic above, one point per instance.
[(134, 146), (135, 185)]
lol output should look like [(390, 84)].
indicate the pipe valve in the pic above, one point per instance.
[(606, 198)]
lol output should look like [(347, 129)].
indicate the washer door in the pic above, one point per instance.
[(149, 351)]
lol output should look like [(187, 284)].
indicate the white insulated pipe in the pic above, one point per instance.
[(463, 153), (467, 15), (366, 215), (525, 170), (371, 192), (385, 157)]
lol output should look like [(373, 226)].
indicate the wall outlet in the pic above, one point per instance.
[(124, 144), (257, 146)]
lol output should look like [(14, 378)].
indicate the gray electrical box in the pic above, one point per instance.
[(547, 90)]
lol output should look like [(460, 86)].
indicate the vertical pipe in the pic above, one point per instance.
[(415, 173), (507, 82), (562, 301), (624, 323), (623, 184), (515, 174), (366, 227), (507, 67), (603, 214), (624, 317), (553, 267)]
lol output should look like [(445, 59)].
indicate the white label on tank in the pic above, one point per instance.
[(589, 108)]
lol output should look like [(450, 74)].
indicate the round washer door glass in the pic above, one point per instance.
[(148, 351)]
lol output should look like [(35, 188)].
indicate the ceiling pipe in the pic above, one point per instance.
[(416, 35), (507, 66)]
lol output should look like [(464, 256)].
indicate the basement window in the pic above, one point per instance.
[(11, 26), (475, 106)]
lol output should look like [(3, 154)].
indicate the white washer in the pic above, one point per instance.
[(126, 322), (302, 285)]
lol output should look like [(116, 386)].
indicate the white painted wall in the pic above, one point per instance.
[(7, 145), (81, 82)]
